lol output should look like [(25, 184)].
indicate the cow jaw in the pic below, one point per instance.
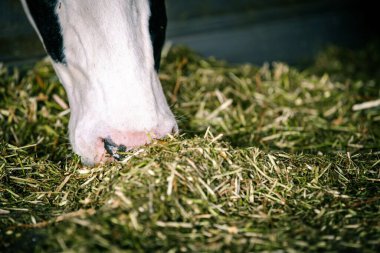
[(109, 76)]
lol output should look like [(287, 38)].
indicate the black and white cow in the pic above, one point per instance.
[(106, 54)]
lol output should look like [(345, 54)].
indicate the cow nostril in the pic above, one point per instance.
[(113, 149), (174, 129)]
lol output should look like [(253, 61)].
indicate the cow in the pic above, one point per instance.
[(106, 54)]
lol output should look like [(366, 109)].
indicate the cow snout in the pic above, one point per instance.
[(98, 142), (128, 141)]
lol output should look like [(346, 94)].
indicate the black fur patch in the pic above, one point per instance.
[(46, 20), (157, 28)]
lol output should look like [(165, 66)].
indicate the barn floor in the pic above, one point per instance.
[(269, 159)]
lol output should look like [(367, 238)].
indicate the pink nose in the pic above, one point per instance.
[(127, 141)]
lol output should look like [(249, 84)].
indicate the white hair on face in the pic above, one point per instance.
[(109, 76)]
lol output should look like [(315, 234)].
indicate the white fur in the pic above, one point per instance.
[(113, 90)]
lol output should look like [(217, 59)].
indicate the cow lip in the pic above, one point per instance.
[(114, 150)]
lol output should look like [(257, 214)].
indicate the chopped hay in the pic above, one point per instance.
[(268, 159)]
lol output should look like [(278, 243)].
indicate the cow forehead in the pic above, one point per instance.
[(44, 16)]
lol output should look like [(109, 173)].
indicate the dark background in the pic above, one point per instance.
[(253, 31)]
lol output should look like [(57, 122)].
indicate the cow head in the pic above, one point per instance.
[(106, 54)]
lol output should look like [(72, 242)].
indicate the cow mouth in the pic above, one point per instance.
[(114, 150)]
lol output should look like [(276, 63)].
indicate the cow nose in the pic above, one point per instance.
[(116, 151)]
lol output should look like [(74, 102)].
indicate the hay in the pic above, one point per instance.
[(268, 159)]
